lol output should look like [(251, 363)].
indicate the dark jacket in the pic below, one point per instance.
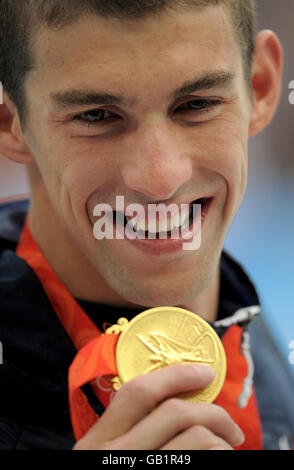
[(37, 352)]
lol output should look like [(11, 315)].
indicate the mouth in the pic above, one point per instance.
[(170, 227)]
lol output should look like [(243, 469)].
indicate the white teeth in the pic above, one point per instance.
[(166, 225)]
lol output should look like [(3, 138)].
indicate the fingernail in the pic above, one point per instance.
[(206, 372)]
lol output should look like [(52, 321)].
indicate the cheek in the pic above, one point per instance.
[(232, 163), (232, 156), (72, 173), (225, 152), (85, 174), (221, 150)]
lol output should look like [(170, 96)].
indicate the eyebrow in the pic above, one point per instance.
[(205, 82), (86, 97)]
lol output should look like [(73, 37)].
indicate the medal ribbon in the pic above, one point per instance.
[(96, 355), (247, 418), (96, 352)]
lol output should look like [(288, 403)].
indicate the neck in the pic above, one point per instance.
[(208, 301), (66, 258)]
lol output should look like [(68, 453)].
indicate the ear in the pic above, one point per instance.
[(266, 80), (12, 142)]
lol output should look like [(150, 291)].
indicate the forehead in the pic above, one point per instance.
[(118, 51)]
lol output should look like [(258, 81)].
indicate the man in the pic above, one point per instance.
[(153, 101)]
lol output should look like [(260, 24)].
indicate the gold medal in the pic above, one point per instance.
[(163, 336)]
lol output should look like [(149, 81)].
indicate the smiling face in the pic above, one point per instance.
[(156, 111)]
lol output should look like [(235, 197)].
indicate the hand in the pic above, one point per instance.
[(173, 424)]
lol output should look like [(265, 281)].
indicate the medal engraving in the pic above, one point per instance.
[(168, 351)]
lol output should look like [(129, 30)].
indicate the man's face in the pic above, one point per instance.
[(157, 142)]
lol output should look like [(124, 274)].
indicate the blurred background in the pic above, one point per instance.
[(262, 234)]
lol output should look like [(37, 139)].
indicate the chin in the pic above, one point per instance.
[(166, 293), (173, 287)]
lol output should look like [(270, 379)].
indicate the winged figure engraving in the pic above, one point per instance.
[(169, 351)]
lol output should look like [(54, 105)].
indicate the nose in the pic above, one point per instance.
[(157, 165)]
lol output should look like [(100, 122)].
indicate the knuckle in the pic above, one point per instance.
[(205, 437), (139, 388), (220, 415), (219, 412), (133, 388), (200, 432), (173, 406), (222, 426)]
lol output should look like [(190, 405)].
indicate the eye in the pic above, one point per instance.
[(94, 116), (199, 105)]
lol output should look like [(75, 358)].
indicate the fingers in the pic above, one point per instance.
[(144, 415), (141, 395), (197, 438), (174, 417)]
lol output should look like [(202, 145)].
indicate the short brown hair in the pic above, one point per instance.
[(19, 18)]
